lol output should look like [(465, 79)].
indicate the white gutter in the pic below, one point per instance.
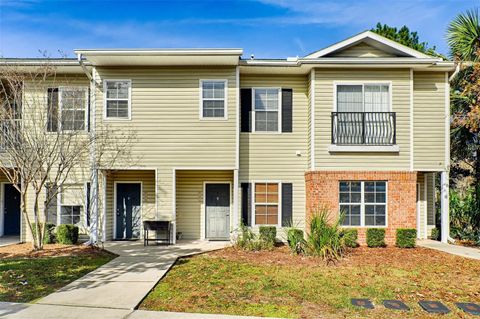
[(157, 52), (80, 61), (457, 69)]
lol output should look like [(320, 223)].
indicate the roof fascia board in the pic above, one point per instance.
[(367, 35)]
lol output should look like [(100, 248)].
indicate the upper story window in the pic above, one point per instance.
[(363, 115), (117, 99), (67, 108), (363, 97), (266, 109), (213, 99)]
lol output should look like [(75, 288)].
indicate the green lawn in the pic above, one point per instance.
[(278, 284), (27, 279)]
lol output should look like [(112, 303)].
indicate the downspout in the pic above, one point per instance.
[(93, 163), (454, 74)]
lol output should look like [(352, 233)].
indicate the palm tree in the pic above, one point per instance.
[(463, 36)]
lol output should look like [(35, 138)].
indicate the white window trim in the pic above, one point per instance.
[(105, 100), (362, 83), (60, 108), (59, 205), (254, 222), (279, 131), (225, 99), (362, 205)]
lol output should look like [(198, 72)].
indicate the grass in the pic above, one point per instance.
[(27, 278), (277, 284)]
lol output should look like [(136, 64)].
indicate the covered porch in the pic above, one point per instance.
[(206, 203)]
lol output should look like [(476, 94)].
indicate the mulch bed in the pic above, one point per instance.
[(51, 250)]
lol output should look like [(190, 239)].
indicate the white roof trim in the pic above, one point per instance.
[(157, 52), (373, 36)]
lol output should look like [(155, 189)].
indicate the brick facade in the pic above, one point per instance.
[(322, 189)]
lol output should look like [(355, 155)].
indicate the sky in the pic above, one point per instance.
[(265, 28)]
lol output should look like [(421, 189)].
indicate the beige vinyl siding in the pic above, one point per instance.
[(324, 105), (429, 121), (361, 50), (148, 204), (272, 157), (190, 199), (165, 120)]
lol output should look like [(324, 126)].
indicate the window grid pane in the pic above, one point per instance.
[(73, 105), (266, 203), (266, 108), (213, 99), (117, 99), (373, 203)]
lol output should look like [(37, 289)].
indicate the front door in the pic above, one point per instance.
[(217, 211), (11, 210), (128, 211)]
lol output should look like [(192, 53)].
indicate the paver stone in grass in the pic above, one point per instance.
[(471, 308), (395, 305), (363, 303), (433, 306)]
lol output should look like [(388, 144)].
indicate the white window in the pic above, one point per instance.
[(363, 203), (266, 203), (73, 108), (213, 99), (266, 109), (371, 97), (71, 204), (117, 99)]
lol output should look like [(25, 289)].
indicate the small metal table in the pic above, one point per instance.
[(157, 226)]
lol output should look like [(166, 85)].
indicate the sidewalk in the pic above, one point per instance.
[(36, 311), (125, 281), (462, 251)]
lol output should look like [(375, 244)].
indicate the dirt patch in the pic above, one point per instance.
[(361, 256), (25, 251)]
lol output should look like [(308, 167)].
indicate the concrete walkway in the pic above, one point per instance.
[(125, 281), (9, 240), (462, 251), (36, 311)]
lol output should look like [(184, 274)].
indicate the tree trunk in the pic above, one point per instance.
[(38, 239)]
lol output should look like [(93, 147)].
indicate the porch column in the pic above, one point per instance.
[(445, 207), (235, 202)]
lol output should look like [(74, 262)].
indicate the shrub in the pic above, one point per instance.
[(268, 234), (351, 237), (325, 239), (406, 237), (49, 235), (376, 237), (435, 234), (67, 234), (247, 240), (295, 240)]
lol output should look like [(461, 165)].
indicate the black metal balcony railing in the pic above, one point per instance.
[(364, 128)]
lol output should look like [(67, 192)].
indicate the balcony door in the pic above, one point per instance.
[(363, 114)]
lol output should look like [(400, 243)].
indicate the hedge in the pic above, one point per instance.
[(406, 237), (376, 237), (351, 237), (49, 235), (268, 235), (67, 234)]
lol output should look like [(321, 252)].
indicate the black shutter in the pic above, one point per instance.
[(246, 105), (287, 106), (88, 110), (287, 204), (52, 110), (246, 204)]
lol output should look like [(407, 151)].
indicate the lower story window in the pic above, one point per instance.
[(70, 214), (266, 203), (71, 204), (363, 203)]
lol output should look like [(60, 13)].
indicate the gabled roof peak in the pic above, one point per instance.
[(373, 39)]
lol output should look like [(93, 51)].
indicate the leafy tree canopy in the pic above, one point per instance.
[(406, 37)]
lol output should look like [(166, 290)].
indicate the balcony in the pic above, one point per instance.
[(364, 131)]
